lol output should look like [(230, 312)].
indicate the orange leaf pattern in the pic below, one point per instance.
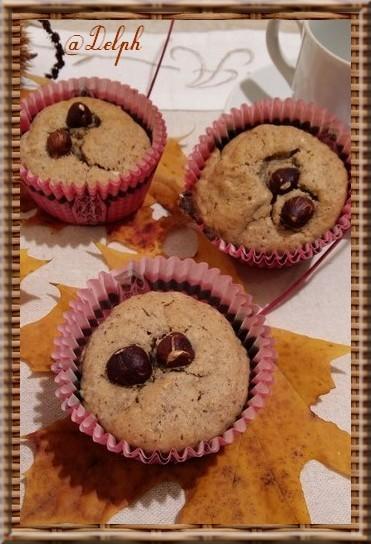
[(28, 264), (37, 339), (256, 480)]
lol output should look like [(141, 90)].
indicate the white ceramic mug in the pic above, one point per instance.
[(322, 71)]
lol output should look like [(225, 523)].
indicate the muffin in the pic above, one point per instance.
[(174, 355), (83, 140), (89, 149), (269, 183), (271, 188), (165, 371)]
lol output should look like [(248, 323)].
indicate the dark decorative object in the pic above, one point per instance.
[(59, 52)]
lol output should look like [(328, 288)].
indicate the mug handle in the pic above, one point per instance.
[(275, 51)]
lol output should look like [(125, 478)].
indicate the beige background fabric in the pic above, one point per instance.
[(320, 309)]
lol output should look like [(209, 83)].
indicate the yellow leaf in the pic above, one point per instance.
[(211, 255), (141, 233), (116, 259), (37, 338), (168, 180), (145, 234), (310, 376), (28, 264), (257, 478), (76, 480), (149, 200)]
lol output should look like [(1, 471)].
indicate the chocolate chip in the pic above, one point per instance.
[(175, 350), (284, 180), (296, 212), (129, 366), (96, 120), (79, 115), (59, 143)]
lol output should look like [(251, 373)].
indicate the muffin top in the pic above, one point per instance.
[(271, 188), (83, 140), (193, 367)]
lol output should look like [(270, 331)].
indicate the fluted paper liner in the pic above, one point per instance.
[(94, 303), (98, 202), (306, 116)]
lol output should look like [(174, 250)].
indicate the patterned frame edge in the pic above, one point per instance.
[(13, 13)]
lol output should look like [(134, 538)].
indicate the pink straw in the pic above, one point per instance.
[(161, 58), (293, 287)]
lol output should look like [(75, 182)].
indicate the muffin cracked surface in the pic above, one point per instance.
[(271, 188), (98, 141), (177, 406)]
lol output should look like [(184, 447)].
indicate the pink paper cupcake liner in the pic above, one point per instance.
[(94, 303), (306, 116), (98, 202)]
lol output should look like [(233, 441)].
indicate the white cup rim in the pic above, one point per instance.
[(334, 55)]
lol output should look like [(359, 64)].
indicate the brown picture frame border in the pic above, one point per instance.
[(13, 14)]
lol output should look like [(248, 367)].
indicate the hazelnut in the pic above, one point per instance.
[(296, 212), (129, 366), (59, 143), (79, 115), (284, 180), (96, 120), (175, 350)]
